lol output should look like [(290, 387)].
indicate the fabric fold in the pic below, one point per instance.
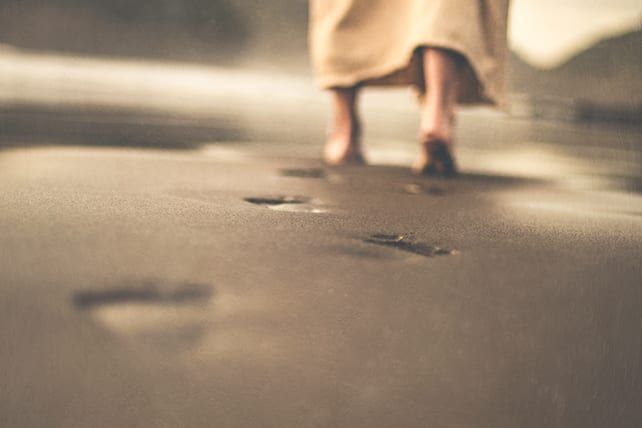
[(375, 42)]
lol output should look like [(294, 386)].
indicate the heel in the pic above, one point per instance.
[(443, 158), (440, 160)]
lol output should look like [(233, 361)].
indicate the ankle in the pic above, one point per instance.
[(436, 127), (434, 132), (349, 130)]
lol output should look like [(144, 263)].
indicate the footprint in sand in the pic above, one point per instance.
[(303, 172), (419, 189), (299, 204), (405, 242), (158, 313)]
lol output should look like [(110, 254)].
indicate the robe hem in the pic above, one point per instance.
[(377, 76)]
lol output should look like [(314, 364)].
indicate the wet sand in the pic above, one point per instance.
[(141, 287), (160, 267)]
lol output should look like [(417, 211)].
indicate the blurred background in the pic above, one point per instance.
[(182, 72)]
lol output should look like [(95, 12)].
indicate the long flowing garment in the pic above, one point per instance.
[(376, 42)]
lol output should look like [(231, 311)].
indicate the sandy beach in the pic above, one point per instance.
[(209, 271)]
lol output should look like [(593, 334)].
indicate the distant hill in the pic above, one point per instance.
[(608, 73)]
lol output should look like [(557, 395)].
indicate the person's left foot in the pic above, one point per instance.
[(336, 153), (344, 146)]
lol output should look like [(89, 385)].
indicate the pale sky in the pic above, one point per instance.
[(547, 32)]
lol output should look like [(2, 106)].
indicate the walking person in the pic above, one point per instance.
[(452, 51)]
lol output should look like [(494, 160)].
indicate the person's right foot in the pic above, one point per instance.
[(436, 152), (436, 159)]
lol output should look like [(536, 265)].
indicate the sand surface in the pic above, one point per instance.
[(140, 288), (167, 268)]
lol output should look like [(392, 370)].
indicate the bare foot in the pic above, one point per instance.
[(343, 145), (442, 75), (436, 148), (343, 148)]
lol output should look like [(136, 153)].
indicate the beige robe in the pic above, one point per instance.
[(374, 42)]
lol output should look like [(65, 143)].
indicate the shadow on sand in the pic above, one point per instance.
[(23, 125), (26, 125), (403, 181)]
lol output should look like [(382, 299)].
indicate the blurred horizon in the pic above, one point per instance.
[(593, 58), (543, 33)]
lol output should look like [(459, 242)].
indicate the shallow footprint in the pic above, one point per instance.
[(298, 204), (144, 292), (405, 242), (303, 172), (419, 189), (168, 316), (271, 201)]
